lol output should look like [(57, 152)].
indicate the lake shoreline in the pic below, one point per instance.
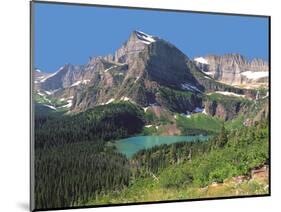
[(131, 145)]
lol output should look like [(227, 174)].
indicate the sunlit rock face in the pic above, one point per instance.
[(234, 69)]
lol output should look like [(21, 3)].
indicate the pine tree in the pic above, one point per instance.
[(222, 139)]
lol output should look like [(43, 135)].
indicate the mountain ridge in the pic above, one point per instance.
[(144, 70)]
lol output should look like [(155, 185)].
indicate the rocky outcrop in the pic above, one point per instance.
[(178, 101), (38, 76), (226, 107), (64, 77), (234, 69), (260, 173)]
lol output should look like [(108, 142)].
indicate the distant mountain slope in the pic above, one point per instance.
[(234, 69)]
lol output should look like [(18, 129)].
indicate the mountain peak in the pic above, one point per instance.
[(144, 37), (137, 42)]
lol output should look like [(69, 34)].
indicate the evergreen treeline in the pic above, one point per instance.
[(158, 157), (100, 123), (72, 162), (72, 174)]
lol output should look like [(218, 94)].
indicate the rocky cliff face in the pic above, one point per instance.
[(234, 69), (63, 78), (38, 76), (225, 111)]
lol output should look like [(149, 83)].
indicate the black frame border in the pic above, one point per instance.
[(31, 106)]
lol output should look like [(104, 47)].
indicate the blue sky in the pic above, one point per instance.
[(71, 34)]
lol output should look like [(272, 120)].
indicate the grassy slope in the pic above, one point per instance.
[(49, 100), (198, 123), (148, 189)]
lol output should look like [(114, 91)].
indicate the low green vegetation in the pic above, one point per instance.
[(236, 123), (149, 189), (198, 123), (228, 101), (151, 118), (48, 100), (150, 130)]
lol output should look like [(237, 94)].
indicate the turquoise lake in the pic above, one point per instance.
[(130, 146)]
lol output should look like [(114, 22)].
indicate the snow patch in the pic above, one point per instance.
[(145, 38), (136, 79), (106, 70), (201, 60), (204, 112), (80, 82), (51, 91), (198, 110), (50, 106), (187, 86), (124, 98), (208, 73), (48, 92), (187, 114), (76, 83), (109, 101), (85, 81), (255, 75), (69, 103), (145, 109), (226, 93), (51, 75), (148, 126)]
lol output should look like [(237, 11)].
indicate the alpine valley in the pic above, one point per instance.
[(202, 124)]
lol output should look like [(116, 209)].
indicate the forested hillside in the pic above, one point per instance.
[(101, 123), (74, 173), (78, 173), (188, 170)]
